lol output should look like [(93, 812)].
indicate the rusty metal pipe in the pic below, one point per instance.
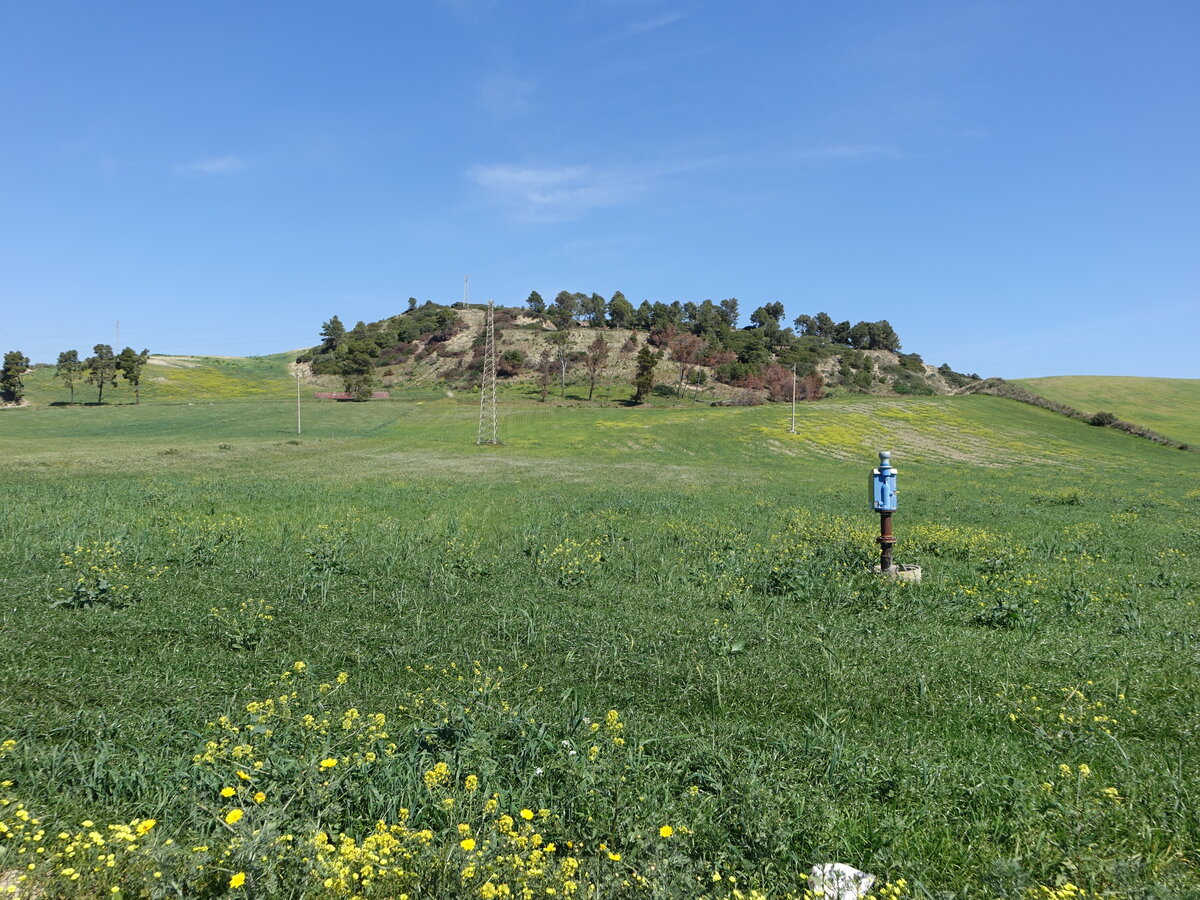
[(886, 540)]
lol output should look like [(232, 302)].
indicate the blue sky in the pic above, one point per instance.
[(1012, 184)]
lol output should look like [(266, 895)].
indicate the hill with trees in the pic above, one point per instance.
[(580, 336)]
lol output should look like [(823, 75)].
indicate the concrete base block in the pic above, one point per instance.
[(900, 572)]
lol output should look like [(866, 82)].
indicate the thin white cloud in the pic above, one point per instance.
[(661, 21), (850, 152), (557, 193), (215, 165), (504, 95)]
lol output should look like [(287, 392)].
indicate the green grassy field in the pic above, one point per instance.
[(179, 379), (631, 652), (1170, 406)]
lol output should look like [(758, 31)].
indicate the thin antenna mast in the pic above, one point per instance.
[(487, 385)]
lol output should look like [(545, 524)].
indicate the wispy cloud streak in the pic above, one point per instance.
[(503, 95), (662, 21), (216, 165), (848, 152), (556, 193)]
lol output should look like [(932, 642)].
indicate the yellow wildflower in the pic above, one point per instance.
[(233, 816), (237, 880), (666, 831)]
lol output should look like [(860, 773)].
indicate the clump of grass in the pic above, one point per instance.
[(100, 575)]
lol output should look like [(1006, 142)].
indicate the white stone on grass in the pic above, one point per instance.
[(838, 881)]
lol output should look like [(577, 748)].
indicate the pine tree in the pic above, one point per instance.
[(12, 388), (69, 369), (644, 380), (130, 365), (101, 369)]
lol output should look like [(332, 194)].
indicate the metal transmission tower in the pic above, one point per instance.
[(487, 385)]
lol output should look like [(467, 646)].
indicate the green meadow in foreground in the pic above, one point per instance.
[(1170, 406), (630, 652)]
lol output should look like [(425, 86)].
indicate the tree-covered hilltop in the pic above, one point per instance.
[(704, 340), (357, 353)]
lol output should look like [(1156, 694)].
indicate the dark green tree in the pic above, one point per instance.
[(12, 388), (660, 315), (562, 311), (767, 316), (357, 366), (333, 332), (860, 336), (620, 311), (593, 310), (730, 309), (101, 369), (130, 365), (536, 305), (883, 336), (643, 380), (711, 323), (69, 369), (823, 325), (805, 325)]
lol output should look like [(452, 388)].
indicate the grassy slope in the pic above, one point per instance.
[(180, 379), (832, 717), (1170, 406)]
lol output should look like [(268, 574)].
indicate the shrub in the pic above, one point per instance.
[(511, 362), (911, 383)]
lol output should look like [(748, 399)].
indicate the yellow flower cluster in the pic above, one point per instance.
[(570, 561), (1066, 891), (98, 575), (438, 776), (1074, 714), (80, 861), (960, 542), (363, 739)]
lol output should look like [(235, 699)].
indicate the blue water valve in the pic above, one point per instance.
[(883, 484)]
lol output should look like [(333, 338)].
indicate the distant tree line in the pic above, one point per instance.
[(100, 370), (701, 337), (754, 356)]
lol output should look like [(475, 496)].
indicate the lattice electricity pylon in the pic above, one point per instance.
[(487, 385)]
